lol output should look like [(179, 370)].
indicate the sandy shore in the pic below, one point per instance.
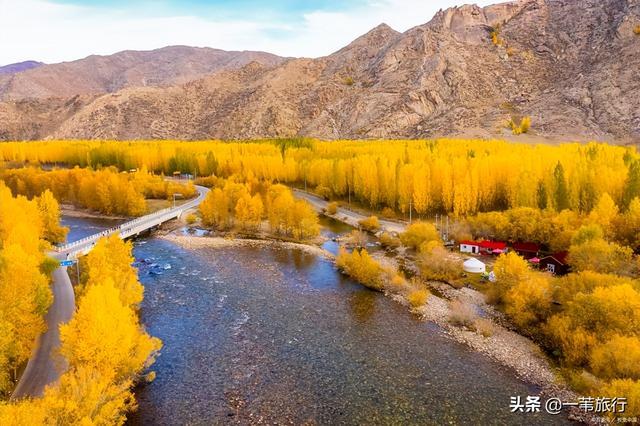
[(194, 242)]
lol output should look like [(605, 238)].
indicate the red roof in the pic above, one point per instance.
[(560, 256), (529, 247), (470, 243), (493, 245)]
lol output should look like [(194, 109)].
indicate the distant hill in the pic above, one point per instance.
[(571, 65), (19, 67), (107, 74)]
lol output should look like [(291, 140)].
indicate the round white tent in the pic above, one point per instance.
[(474, 266)]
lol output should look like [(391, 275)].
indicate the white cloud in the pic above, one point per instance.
[(52, 32)]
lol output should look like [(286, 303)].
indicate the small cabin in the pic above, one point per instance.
[(555, 263), (526, 250), (469, 247)]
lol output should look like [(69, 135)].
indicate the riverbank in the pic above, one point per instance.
[(194, 242)]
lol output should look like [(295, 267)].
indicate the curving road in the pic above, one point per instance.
[(347, 216), (46, 365)]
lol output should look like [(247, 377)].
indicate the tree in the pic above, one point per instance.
[(104, 335), (529, 301), (510, 269), (600, 256), (50, 213), (419, 233), (361, 267), (604, 213), (111, 259), (632, 184), (561, 193)]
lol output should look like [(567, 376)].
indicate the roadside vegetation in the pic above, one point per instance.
[(104, 343), (106, 190)]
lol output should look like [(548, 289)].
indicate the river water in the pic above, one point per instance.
[(267, 335)]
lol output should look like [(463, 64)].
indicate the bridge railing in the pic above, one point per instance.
[(129, 225)]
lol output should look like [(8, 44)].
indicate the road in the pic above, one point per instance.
[(347, 216), (46, 365)]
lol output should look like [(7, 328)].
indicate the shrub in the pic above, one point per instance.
[(462, 313), (484, 327), (388, 241), (636, 30), (419, 233), (388, 213), (494, 33), (191, 219), (628, 388), (332, 208), (418, 297), (358, 238), (397, 284), (617, 358), (371, 224), (360, 266), (323, 191), (349, 81), (519, 128), (437, 264)]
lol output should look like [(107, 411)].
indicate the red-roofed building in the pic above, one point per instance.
[(487, 247), (526, 250), (555, 263), (468, 246)]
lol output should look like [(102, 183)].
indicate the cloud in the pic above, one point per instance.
[(53, 32)]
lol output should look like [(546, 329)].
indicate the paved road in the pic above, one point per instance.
[(45, 365), (347, 216)]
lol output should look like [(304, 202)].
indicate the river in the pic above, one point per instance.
[(267, 335)]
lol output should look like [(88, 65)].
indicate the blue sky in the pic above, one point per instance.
[(63, 30)]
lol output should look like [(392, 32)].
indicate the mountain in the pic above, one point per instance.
[(108, 74), (571, 65), (19, 67)]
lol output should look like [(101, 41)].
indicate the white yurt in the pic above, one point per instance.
[(474, 266)]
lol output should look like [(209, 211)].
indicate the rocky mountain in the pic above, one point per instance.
[(19, 67), (107, 74), (571, 65)]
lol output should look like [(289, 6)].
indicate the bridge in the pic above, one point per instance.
[(46, 365)]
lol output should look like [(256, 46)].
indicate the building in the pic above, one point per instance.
[(526, 250), (474, 266), (492, 247), (555, 263), (469, 247)]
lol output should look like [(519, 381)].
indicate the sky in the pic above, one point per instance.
[(63, 30)]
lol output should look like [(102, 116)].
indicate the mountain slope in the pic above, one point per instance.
[(19, 67), (108, 74), (569, 64)]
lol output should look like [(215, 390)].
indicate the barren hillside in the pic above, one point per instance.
[(571, 65)]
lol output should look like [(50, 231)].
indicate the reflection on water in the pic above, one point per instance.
[(267, 335)]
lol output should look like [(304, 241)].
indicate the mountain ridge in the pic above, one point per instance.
[(569, 65)]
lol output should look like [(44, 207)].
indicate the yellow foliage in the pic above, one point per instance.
[(111, 257), (418, 297), (25, 295), (618, 357), (436, 263), (636, 30), (390, 173), (361, 267), (600, 256), (625, 388), (371, 224), (419, 233), (528, 302), (510, 270), (519, 128), (332, 208)]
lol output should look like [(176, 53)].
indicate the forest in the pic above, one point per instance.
[(580, 198), (459, 177), (104, 343)]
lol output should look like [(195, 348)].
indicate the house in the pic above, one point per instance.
[(526, 250), (492, 247), (468, 246), (555, 263)]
